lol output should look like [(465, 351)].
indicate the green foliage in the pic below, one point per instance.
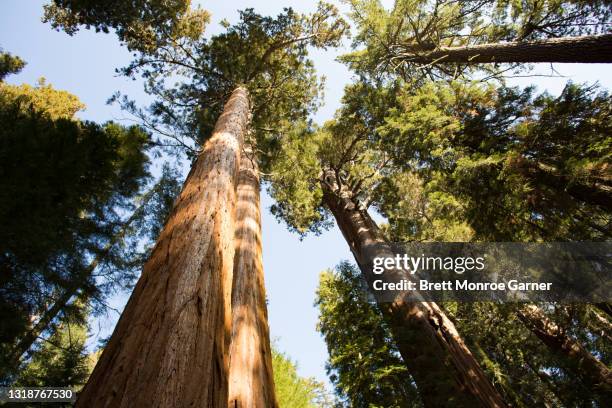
[(268, 55), (521, 166), (61, 360), (461, 162), (66, 183), (143, 25), (54, 103), (386, 40), (9, 64), (532, 19), (364, 364), (293, 391), (523, 367), (417, 211), (294, 173), (348, 146)]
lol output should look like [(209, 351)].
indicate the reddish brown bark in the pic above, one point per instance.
[(170, 346), (586, 49), (590, 370), (444, 369), (251, 382)]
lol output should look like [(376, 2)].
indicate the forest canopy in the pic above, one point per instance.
[(443, 133)]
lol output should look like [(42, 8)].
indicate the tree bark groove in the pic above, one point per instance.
[(251, 381), (585, 49), (169, 348)]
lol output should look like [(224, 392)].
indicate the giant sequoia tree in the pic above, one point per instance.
[(184, 294), (340, 167)]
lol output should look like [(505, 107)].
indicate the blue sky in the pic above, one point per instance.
[(84, 65)]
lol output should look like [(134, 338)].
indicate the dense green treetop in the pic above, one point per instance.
[(143, 25), (522, 166), (537, 165), (291, 389), (268, 55), (43, 97)]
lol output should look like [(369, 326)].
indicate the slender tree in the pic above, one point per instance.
[(157, 200), (339, 167), (593, 372)]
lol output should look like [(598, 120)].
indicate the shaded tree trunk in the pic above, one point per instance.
[(586, 49), (170, 346), (591, 371), (444, 369), (251, 382)]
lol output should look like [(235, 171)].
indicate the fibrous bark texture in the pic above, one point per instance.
[(586, 49), (251, 382), (444, 369), (170, 346), (590, 370)]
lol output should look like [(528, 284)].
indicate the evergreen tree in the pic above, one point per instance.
[(424, 38), (262, 62), (292, 390), (523, 167), (476, 159), (340, 177), (65, 182), (9, 64), (364, 364), (61, 360)]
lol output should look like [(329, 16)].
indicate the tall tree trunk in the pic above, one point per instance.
[(593, 373), (251, 382), (586, 49), (444, 369), (170, 346)]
